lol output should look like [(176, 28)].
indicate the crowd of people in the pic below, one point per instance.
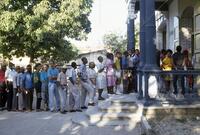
[(168, 61), (60, 88), (67, 89)]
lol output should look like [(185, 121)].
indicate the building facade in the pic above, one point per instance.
[(180, 25)]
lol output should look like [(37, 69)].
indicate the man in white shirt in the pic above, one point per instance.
[(9, 75), (74, 98), (86, 85), (62, 89)]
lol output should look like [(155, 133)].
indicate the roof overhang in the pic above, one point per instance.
[(160, 5)]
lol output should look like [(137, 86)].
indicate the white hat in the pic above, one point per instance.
[(64, 66)]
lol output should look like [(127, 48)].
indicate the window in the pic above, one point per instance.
[(197, 23), (197, 41)]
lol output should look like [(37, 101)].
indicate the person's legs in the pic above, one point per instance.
[(83, 95), (38, 95), (63, 96), (44, 91), (90, 90), (3, 95), (14, 102), (43, 102), (51, 96), (175, 79), (57, 97), (31, 99), (10, 96), (71, 101), (20, 101), (76, 96), (182, 84), (28, 101), (100, 94)]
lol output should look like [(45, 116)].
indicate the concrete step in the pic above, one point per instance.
[(123, 102), (96, 115), (83, 120), (118, 108)]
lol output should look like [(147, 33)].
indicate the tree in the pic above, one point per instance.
[(38, 28), (115, 41)]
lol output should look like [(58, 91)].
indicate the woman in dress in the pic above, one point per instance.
[(101, 77), (110, 74)]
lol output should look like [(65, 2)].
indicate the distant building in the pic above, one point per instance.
[(91, 56)]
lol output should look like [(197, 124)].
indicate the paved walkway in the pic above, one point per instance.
[(47, 123)]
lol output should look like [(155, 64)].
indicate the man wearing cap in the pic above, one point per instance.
[(52, 74), (62, 89)]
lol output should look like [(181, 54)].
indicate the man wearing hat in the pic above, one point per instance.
[(62, 89)]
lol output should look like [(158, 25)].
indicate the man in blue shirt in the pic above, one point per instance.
[(28, 87), (52, 74), (44, 80), (20, 86)]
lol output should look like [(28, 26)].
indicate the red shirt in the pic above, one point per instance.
[(2, 76)]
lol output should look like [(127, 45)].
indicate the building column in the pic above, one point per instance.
[(131, 34), (151, 83), (150, 36), (142, 48)]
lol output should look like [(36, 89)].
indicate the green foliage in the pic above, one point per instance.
[(115, 41), (38, 28)]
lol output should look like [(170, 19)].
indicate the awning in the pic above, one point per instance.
[(160, 5)]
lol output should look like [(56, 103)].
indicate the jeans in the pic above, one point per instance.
[(53, 93), (44, 88), (20, 101)]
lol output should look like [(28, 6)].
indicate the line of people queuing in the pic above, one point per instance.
[(52, 85), (175, 61)]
